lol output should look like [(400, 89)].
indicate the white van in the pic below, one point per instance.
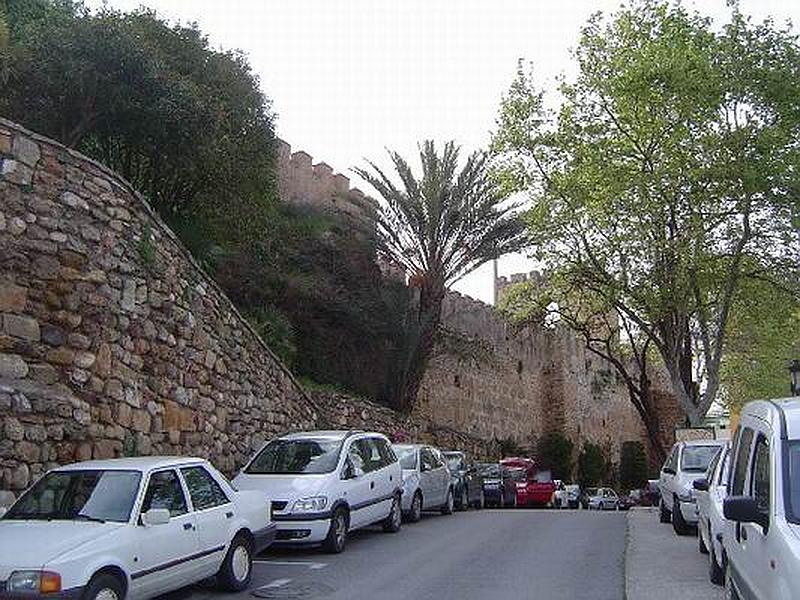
[(324, 484), (762, 535)]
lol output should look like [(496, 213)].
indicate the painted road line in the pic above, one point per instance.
[(292, 563), (274, 584)]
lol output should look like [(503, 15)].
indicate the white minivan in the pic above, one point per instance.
[(762, 536), (324, 484)]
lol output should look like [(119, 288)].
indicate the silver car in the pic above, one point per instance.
[(604, 499), (710, 492), (686, 462), (427, 484)]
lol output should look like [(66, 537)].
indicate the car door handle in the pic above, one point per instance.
[(744, 534), (372, 485), (229, 515), (187, 526)]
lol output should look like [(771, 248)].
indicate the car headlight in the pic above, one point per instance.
[(44, 582), (312, 504)]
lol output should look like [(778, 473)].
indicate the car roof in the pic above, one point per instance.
[(410, 446), (137, 463), (334, 434), (704, 442), (779, 413)]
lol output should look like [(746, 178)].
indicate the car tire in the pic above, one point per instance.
[(336, 539), (237, 569), (104, 586), (415, 514), (394, 521), (716, 574), (664, 515), (448, 507), (679, 525), (701, 543)]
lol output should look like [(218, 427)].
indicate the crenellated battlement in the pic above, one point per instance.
[(303, 183)]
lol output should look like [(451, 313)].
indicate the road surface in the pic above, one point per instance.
[(475, 555)]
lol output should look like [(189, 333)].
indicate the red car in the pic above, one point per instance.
[(537, 488)]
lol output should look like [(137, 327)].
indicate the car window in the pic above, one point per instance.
[(696, 458), (370, 454), (791, 473), (672, 460), (760, 476), (740, 466), (164, 491), (712, 466), (724, 469), (296, 457), (407, 457), (204, 491), (428, 458), (388, 456)]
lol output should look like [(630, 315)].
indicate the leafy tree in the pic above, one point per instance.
[(592, 465), (665, 179), (554, 452), (633, 467), (761, 343), (438, 227)]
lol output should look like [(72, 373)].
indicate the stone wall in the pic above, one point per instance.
[(112, 340)]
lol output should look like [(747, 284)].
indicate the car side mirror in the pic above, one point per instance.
[(745, 509), (669, 470), (155, 516), (701, 485)]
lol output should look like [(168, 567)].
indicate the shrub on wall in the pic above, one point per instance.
[(592, 465), (554, 452), (633, 466)]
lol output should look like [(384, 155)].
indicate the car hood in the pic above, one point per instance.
[(685, 479), (282, 487), (33, 544)]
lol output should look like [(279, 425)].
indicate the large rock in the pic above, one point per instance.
[(12, 366), (20, 326), (12, 297)]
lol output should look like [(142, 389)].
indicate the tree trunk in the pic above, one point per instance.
[(431, 295)]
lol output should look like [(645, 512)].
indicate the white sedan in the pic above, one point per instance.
[(130, 527)]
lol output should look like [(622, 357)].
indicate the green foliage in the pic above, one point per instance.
[(666, 178), (633, 467), (762, 341), (509, 447), (145, 246), (275, 329), (438, 228), (554, 452), (592, 466)]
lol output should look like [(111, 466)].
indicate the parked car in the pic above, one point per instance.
[(628, 501), (604, 499), (325, 484), (130, 527), (762, 512), (587, 493), (573, 495), (710, 492), (493, 482), (651, 495), (512, 477), (537, 489), (686, 462), (467, 483), (427, 483), (560, 496)]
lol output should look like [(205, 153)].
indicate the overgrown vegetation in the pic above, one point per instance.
[(592, 466), (554, 452), (633, 467)]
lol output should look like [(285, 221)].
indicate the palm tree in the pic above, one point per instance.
[(438, 229)]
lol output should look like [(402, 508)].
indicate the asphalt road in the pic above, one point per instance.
[(525, 554)]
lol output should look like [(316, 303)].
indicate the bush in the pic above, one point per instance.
[(632, 466), (592, 465), (554, 452)]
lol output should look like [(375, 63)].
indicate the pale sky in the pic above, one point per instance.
[(348, 78)]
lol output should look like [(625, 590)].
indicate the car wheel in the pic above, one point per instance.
[(337, 534), (237, 568), (701, 544), (415, 514), (664, 514), (104, 587), (394, 521), (447, 509), (679, 525), (716, 574)]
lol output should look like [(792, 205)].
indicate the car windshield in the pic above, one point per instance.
[(489, 470), (696, 458), (514, 474), (79, 495), (792, 473), (305, 456), (454, 461), (407, 456)]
